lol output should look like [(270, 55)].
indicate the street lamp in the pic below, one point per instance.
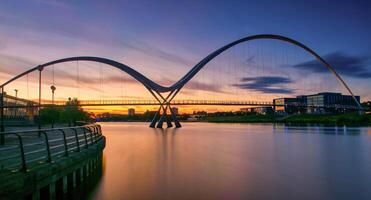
[(53, 88)]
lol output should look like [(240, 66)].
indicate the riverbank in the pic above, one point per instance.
[(341, 119)]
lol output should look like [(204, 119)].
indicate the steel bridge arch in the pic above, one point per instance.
[(176, 87), (186, 78), (149, 84), (156, 90)]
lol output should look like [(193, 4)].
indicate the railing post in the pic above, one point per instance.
[(91, 134), (100, 130), (65, 142), (77, 139), (86, 138), (47, 145), (23, 158), (95, 133)]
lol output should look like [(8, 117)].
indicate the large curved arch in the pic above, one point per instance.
[(135, 74), (176, 87), (186, 78)]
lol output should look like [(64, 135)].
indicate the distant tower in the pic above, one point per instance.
[(131, 111), (175, 110)]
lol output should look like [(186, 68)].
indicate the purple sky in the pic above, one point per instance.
[(172, 36)]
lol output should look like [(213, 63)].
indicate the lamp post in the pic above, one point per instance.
[(53, 88), (15, 103)]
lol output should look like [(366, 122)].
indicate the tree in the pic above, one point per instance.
[(50, 115), (73, 112)]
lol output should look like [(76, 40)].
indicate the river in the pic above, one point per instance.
[(235, 161)]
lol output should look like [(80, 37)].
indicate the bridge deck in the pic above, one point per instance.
[(45, 103)]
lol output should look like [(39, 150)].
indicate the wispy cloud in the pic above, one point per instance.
[(55, 3), (13, 65), (347, 65), (266, 84), (194, 85), (155, 51)]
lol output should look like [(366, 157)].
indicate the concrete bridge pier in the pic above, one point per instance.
[(72, 185)]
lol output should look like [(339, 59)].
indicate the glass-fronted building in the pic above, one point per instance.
[(324, 102), (288, 105), (329, 102)]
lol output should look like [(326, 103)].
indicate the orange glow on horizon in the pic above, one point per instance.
[(141, 109)]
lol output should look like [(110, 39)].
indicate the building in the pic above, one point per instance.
[(324, 102), (289, 105), (23, 112), (131, 111), (258, 110), (329, 102), (175, 110)]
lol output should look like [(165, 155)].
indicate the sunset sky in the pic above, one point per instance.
[(163, 40)]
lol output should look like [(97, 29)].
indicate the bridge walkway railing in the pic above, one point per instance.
[(26, 148)]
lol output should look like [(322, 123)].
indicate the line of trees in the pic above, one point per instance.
[(71, 113)]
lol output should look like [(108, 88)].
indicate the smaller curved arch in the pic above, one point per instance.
[(133, 73)]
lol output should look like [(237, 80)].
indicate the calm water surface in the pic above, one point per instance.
[(235, 161)]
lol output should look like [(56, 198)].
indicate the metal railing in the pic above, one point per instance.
[(26, 148), (47, 103)]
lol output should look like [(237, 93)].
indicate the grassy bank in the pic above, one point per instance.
[(348, 119), (240, 119)]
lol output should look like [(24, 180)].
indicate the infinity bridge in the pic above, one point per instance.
[(164, 96)]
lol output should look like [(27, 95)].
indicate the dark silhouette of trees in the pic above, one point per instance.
[(71, 113)]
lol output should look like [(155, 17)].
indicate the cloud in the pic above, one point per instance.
[(156, 52), (194, 85), (13, 65), (54, 3), (346, 65), (266, 84)]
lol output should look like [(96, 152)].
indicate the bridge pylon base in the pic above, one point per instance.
[(158, 123)]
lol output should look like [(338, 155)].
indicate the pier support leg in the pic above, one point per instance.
[(84, 173), (78, 177), (45, 193), (176, 121), (59, 189), (168, 121), (154, 120), (52, 191), (70, 183), (161, 121), (36, 195)]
